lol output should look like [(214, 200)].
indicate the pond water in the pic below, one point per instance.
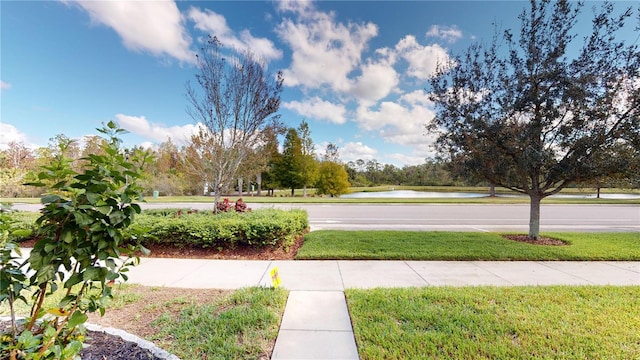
[(409, 194)]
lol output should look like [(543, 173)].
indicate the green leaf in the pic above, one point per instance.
[(71, 351), (66, 236), (28, 340), (136, 207), (73, 280), (67, 300), (105, 210), (77, 318), (49, 199), (94, 274), (93, 198), (111, 264)]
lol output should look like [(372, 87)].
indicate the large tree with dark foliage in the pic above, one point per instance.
[(235, 101), (535, 112)]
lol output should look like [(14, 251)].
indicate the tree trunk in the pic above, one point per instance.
[(259, 181), (293, 192), (216, 200), (304, 190), (598, 195), (534, 217), (492, 190), (240, 184)]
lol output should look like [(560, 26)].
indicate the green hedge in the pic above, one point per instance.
[(261, 227), (183, 227), (23, 225)]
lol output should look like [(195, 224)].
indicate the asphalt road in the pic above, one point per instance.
[(460, 217)]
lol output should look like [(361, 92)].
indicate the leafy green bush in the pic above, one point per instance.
[(263, 227), (80, 248), (170, 212)]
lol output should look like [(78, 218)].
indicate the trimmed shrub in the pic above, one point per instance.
[(263, 227), (185, 227), (24, 226)]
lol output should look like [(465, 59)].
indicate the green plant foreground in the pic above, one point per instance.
[(435, 245), (560, 322), (80, 248)]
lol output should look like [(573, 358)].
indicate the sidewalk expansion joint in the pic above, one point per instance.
[(416, 272)]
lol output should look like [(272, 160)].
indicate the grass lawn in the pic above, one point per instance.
[(434, 245), (497, 322), (244, 325)]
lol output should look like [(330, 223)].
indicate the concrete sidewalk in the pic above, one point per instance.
[(337, 275), (316, 323)]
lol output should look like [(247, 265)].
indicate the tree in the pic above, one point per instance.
[(15, 163), (308, 165), (238, 99), (332, 180), (268, 179), (331, 153), (202, 157), (532, 118), (626, 157), (373, 168), (167, 174), (288, 168), (17, 156)]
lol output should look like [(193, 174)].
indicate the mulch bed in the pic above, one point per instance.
[(194, 252), (541, 241), (237, 253), (103, 346)]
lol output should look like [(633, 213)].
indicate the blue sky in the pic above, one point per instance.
[(355, 70)]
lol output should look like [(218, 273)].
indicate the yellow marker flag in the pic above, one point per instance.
[(275, 277)]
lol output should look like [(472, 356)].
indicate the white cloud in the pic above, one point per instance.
[(352, 151), (416, 98), (324, 52), (300, 7), (404, 159), (215, 24), (152, 26), (396, 123), (139, 125), (389, 113), (423, 60), (448, 33), (4, 85), (375, 83), (9, 133), (318, 109)]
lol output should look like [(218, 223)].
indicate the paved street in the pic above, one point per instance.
[(449, 217)]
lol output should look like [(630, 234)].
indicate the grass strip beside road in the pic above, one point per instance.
[(560, 322), (436, 245)]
